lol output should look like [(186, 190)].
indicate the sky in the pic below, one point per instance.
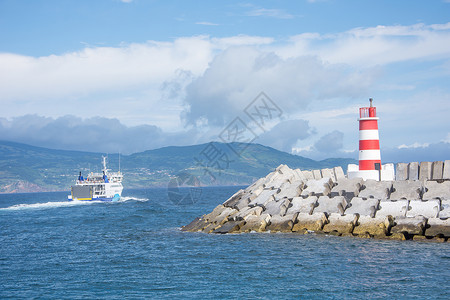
[(127, 76)]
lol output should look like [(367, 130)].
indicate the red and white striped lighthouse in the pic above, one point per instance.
[(369, 142)]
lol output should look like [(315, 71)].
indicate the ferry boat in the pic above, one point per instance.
[(105, 186)]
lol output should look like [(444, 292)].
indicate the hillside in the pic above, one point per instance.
[(25, 168)]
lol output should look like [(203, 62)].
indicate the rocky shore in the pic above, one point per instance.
[(416, 206)]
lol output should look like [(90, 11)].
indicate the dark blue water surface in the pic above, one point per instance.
[(50, 248)]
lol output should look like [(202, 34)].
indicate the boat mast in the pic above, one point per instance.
[(104, 164)]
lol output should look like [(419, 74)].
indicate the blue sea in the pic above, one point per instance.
[(54, 249)]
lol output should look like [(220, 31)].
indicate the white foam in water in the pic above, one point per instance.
[(67, 204)]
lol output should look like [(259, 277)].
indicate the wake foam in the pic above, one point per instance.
[(48, 205)]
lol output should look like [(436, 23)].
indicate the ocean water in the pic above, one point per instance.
[(54, 249)]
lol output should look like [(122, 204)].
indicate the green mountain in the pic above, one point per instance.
[(25, 168)]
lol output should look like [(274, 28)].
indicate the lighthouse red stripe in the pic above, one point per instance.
[(368, 164), (368, 124), (369, 145)]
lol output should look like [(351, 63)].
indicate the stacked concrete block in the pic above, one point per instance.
[(290, 190), (302, 205), (233, 200), (401, 172), (330, 205), (444, 213), (438, 227), (446, 171), (425, 170), (328, 173), (283, 202), (263, 198), (338, 173), (274, 208), (229, 227), (317, 174), (308, 175), (376, 189), (339, 224), (411, 190), (247, 212), (409, 226), (427, 209), (282, 223), (348, 188), (436, 190), (255, 223), (307, 222), (373, 227), (364, 207), (395, 209), (437, 170), (413, 171), (317, 187)]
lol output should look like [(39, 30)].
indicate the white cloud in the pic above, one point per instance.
[(375, 45), (207, 23), (266, 12)]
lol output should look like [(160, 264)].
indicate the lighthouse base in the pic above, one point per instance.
[(386, 173)]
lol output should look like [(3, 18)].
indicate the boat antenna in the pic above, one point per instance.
[(119, 161)]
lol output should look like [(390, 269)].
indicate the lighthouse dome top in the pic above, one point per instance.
[(368, 113)]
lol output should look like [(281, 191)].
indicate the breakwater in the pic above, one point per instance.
[(414, 206)]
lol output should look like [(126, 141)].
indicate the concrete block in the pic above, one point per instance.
[(317, 187), (348, 188), (434, 190), (215, 213), (410, 226), (243, 202), (427, 209), (362, 207), (258, 183), (298, 175), (197, 225), (437, 170), (330, 205), (290, 190), (283, 169), (211, 227), (425, 170), (338, 173), (446, 172), (438, 227), (263, 198), (229, 227), (277, 208), (445, 209), (328, 173), (281, 223), (413, 171), (402, 171), (374, 227), (308, 175), (255, 223), (340, 224), (224, 216), (279, 179), (392, 208), (411, 190), (375, 189), (246, 212), (317, 175), (314, 222), (302, 205), (233, 200)]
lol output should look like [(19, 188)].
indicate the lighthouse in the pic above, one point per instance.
[(369, 148)]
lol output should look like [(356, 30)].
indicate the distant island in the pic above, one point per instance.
[(25, 168)]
